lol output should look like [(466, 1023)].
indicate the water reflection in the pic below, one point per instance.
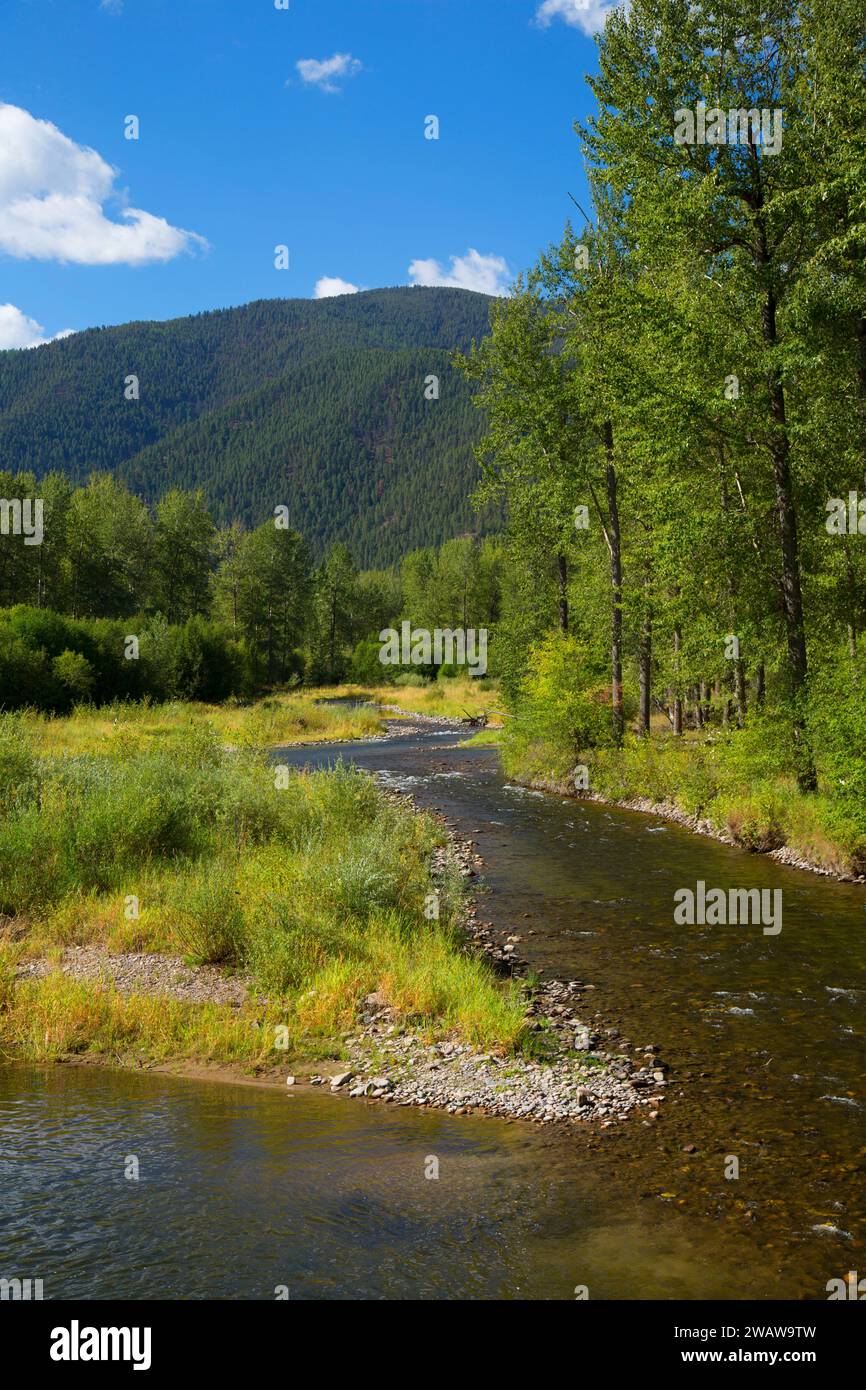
[(764, 1034), (242, 1189)]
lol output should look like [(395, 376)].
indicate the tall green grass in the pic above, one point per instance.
[(292, 717), (314, 890)]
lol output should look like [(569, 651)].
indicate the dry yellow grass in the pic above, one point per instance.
[(453, 698), (288, 718), (53, 1018), (295, 717)]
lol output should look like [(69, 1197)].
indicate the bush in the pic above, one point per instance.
[(363, 879), (26, 679), (149, 814), (757, 821), (73, 673), (48, 661), (763, 750), (837, 727), (19, 766), (285, 946), (560, 708), (413, 679), (31, 873), (210, 922)]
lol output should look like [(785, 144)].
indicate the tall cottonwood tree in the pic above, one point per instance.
[(334, 614), (731, 208), (274, 585), (535, 438)]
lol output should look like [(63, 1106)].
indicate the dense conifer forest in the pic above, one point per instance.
[(324, 406)]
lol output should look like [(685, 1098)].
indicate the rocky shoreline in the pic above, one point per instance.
[(572, 1071), (578, 1074), (581, 1082), (582, 1076), (665, 810), (139, 972), (669, 811), (446, 720)]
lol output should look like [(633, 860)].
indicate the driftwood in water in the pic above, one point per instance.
[(475, 721)]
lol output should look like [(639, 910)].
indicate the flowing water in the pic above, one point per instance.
[(243, 1189)]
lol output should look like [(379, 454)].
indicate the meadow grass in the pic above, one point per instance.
[(485, 738), (452, 697), (313, 891), (57, 1018), (292, 717)]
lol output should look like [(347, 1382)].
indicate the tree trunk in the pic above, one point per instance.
[(727, 703), (739, 667), (645, 657), (616, 586), (852, 601), (332, 640), (562, 577), (678, 699), (860, 338), (740, 690), (699, 705), (792, 595)]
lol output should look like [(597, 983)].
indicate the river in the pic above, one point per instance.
[(243, 1190)]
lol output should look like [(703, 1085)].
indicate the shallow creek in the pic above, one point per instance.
[(243, 1189)]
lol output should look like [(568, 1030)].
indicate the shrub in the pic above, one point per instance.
[(31, 872), (19, 766), (415, 680), (363, 879), (73, 673), (757, 821), (210, 920), (48, 661), (837, 725), (560, 706)]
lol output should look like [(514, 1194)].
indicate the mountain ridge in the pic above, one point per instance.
[(315, 404)]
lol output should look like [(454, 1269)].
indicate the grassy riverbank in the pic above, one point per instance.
[(146, 835), (284, 718), (296, 717), (741, 782), (451, 698)]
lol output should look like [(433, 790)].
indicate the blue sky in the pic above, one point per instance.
[(261, 127)]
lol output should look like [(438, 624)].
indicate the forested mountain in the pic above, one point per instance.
[(319, 405)]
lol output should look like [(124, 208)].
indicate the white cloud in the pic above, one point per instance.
[(588, 15), (488, 274), (112, 6), (324, 74), (19, 331), (329, 285), (52, 193)]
